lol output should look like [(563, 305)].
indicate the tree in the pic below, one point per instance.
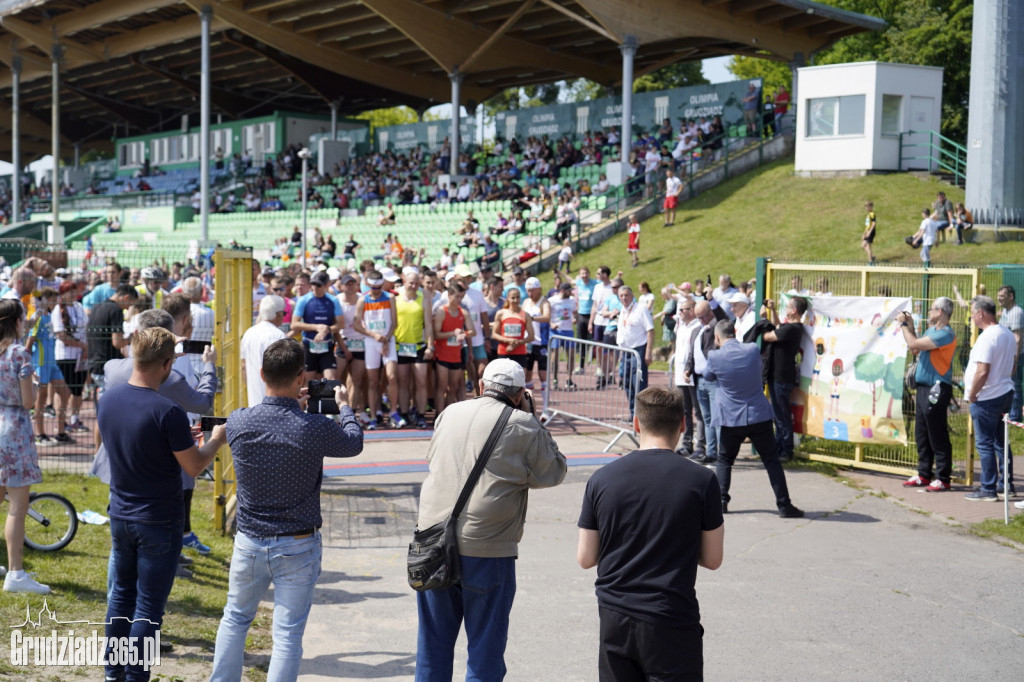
[(870, 368), (391, 116), (585, 90), (893, 384), (677, 75), (925, 32)]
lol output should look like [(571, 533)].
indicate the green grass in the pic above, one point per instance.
[(771, 212), (995, 527), (78, 576)]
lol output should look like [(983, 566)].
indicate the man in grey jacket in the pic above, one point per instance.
[(491, 525)]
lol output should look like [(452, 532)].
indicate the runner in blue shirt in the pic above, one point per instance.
[(42, 343), (318, 316)]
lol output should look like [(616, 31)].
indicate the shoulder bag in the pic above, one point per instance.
[(433, 562)]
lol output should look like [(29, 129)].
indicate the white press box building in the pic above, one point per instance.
[(850, 116)]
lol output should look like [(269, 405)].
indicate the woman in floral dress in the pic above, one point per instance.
[(19, 464)]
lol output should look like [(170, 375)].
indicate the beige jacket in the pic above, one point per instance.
[(525, 457)]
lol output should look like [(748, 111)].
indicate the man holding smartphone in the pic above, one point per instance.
[(279, 452)]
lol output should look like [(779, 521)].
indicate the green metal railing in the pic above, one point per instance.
[(940, 151)]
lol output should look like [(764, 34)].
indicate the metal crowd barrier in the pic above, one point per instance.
[(585, 383)]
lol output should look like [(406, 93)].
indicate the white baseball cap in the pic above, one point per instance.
[(505, 372), (533, 283)]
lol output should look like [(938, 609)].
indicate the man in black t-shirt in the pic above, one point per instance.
[(783, 374), (105, 331), (647, 541)]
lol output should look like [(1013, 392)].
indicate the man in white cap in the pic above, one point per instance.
[(744, 313), (391, 279), (255, 341), (475, 302), (491, 525), (540, 312)]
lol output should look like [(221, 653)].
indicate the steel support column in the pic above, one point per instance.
[(628, 49), (456, 79), (16, 140), (205, 17)]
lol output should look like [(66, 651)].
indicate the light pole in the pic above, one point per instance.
[(304, 154)]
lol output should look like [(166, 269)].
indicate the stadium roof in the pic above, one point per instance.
[(135, 63)]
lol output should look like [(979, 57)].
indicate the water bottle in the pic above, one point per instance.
[(933, 394)]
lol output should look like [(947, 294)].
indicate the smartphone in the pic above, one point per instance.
[(192, 347), (207, 423)]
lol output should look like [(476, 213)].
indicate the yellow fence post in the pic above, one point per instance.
[(233, 307)]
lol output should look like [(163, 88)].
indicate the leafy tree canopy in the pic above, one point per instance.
[(391, 116), (925, 32)]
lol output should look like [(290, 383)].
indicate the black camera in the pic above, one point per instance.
[(321, 397)]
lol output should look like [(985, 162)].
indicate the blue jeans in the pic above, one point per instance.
[(988, 440), (484, 599), (145, 559), (293, 567), (782, 415), (629, 369), (1017, 404), (706, 398)]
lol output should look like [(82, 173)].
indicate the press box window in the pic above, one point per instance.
[(891, 109), (831, 116)]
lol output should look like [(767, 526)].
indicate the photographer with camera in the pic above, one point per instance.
[(525, 456), (279, 451)]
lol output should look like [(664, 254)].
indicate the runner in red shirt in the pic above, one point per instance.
[(513, 329)]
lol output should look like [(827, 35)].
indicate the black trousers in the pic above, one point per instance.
[(693, 420), (762, 437), (632, 649), (931, 431)]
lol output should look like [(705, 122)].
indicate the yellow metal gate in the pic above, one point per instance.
[(923, 286), (233, 307)]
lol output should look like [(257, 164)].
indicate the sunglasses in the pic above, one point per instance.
[(278, 289)]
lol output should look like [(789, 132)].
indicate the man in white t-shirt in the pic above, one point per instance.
[(255, 341), (652, 159), (673, 188), (564, 307), (686, 324), (635, 332), (988, 387)]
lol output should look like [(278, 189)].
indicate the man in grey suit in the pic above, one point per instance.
[(741, 411)]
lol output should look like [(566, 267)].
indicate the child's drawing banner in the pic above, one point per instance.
[(852, 370)]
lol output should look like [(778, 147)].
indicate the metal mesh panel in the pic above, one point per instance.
[(922, 286)]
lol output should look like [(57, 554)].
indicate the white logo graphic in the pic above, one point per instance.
[(86, 648)]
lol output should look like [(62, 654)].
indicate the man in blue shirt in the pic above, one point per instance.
[(149, 443), (934, 380), (279, 452), (318, 316), (740, 410), (104, 290), (519, 282)]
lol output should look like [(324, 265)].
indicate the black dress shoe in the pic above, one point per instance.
[(790, 512)]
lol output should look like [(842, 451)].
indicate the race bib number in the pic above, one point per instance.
[(357, 345), (514, 330), (378, 326), (454, 341), (407, 350), (319, 346)]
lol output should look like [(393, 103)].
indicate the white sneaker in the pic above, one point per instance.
[(1019, 505), (26, 583)]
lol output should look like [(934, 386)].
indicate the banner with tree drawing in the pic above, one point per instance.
[(851, 371)]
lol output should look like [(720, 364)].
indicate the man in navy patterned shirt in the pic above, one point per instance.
[(278, 451)]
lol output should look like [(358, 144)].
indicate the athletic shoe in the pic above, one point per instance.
[(26, 582), (790, 512), (370, 425), (980, 495), (578, 370), (192, 542), (49, 412), (916, 482), (420, 422), (77, 426), (1019, 505), (182, 572), (570, 386), (44, 441), (937, 486), (397, 421), (1013, 493), (63, 438), (184, 560)]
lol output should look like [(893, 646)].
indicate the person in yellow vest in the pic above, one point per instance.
[(415, 345), (153, 279)]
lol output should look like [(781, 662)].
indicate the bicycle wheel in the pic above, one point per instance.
[(51, 522)]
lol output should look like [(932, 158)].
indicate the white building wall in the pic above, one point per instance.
[(829, 102)]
